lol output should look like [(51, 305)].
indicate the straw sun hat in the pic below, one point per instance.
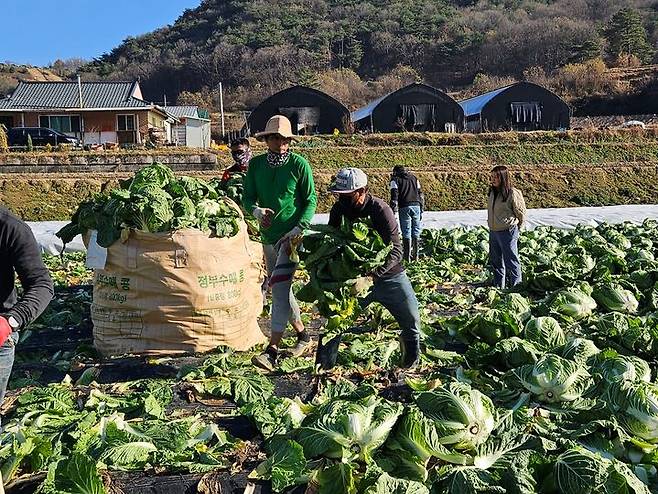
[(278, 124)]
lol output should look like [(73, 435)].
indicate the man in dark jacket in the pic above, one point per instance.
[(391, 286), (407, 197), (20, 255)]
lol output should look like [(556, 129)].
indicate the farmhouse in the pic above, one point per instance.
[(94, 112)]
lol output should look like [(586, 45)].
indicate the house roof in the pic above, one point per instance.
[(187, 112), (474, 105), (367, 110), (38, 95)]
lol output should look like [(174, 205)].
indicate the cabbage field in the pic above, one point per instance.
[(549, 388)]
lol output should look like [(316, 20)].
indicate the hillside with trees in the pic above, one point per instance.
[(360, 49), (11, 73)]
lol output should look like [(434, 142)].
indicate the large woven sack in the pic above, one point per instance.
[(167, 293)]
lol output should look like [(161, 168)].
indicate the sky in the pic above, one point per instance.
[(38, 32)]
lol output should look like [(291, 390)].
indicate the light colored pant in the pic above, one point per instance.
[(410, 217), (280, 275)]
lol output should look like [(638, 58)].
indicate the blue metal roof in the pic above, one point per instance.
[(367, 110), (473, 106)]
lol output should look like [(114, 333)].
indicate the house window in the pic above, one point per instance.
[(61, 123), (125, 122)]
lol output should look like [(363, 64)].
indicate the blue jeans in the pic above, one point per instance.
[(504, 257), (7, 362), (410, 221), (398, 296)]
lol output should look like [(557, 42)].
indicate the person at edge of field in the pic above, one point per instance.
[(506, 213), (279, 191), (20, 255), (391, 286), (241, 154), (407, 200)]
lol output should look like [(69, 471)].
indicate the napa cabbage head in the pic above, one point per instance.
[(613, 324), (418, 435), (635, 404), (553, 379), (348, 429), (513, 352), (617, 239), (515, 304), (613, 297), (208, 207), (545, 332), (573, 303), (578, 350), (463, 417), (612, 367)]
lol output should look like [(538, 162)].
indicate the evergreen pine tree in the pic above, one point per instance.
[(626, 36)]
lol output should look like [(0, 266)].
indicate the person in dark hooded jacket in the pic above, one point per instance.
[(407, 200)]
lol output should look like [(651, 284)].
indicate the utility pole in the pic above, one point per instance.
[(221, 106), (81, 118)]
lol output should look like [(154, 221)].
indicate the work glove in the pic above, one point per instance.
[(5, 330), (361, 285), (264, 216), (292, 237)]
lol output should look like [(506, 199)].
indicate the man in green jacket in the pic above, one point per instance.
[(279, 191)]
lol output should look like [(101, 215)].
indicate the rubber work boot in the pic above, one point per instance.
[(303, 341), (266, 360), (406, 249), (410, 353), (327, 352), (414, 249)]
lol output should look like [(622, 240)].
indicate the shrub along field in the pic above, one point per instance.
[(548, 389), (554, 169)]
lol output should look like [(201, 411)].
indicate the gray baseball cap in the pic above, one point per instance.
[(348, 180)]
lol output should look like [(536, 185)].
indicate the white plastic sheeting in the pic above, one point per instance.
[(559, 217), (44, 232)]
